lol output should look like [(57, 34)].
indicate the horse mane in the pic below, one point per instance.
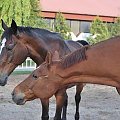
[(33, 32), (37, 31), (75, 57)]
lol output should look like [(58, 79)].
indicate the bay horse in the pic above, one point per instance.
[(19, 42), (97, 64)]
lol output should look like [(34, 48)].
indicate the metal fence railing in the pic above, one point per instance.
[(28, 65)]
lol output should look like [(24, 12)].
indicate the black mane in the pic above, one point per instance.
[(75, 57), (33, 32)]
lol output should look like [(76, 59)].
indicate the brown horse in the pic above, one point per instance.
[(98, 64), (18, 43)]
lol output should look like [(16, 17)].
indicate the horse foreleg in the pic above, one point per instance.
[(60, 99), (45, 109), (79, 89), (65, 107)]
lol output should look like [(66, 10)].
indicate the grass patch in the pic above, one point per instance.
[(21, 72)]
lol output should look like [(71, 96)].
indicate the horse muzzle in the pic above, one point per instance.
[(18, 98), (3, 80)]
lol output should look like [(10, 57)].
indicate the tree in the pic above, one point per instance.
[(114, 28), (18, 10), (61, 26), (35, 18), (24, 12), (99, 30)]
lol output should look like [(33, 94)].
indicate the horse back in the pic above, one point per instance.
[(72, 45)]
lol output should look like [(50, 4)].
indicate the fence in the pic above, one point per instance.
[(28, 65)]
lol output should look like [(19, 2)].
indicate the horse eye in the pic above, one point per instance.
[(10, 47), (35, 76)]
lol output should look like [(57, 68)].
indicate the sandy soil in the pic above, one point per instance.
[(98, 103)]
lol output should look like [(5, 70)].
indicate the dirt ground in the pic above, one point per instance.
[(98, 103)]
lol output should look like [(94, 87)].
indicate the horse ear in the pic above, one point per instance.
[(4, 26), (56, 56), (14, 26), (48, 58), (52, 57)]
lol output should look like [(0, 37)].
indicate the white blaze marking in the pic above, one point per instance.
[(3, 44)]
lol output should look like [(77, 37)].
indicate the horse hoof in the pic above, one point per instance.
[(77, 116), (64, 119), (57, 118), (45, 118)]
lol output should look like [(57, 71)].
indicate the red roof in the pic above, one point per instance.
[(88, 7)]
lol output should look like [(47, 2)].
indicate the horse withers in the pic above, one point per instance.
[(20, 42), (97, 64)]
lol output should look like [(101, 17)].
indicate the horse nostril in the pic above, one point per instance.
[(3, 80), (13, 94), (21, 99), (18, 98)]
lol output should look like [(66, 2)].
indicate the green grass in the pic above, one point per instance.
[(21, 72)]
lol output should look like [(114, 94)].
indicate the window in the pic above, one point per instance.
[(68, 23), (50, 23), (75, 26), (85, 26)]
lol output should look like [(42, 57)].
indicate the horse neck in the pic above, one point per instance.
[(96, 69), (36, 52), (82, 67), (38, 49)]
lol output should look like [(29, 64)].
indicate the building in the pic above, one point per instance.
[(80, 13)]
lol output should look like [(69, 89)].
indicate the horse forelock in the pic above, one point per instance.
[(7, 34), (75, 57)]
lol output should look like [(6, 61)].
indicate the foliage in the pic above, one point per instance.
[(18, 10), (35, 18), (61, 26), (24, 12), (103, 31), (99, 30), (114, 28)]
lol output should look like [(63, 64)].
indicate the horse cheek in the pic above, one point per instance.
[(50, 89), (44, 90)]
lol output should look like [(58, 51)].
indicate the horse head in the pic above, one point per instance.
[(41, 83), (13, 51)]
